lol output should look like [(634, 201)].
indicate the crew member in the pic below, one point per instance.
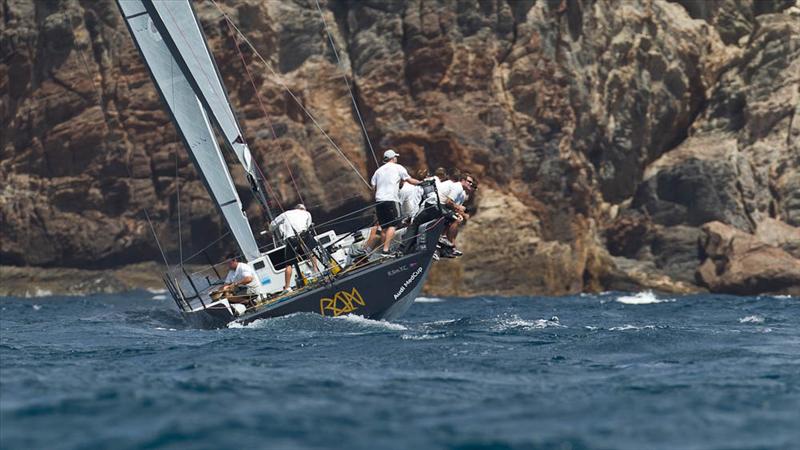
[(241, 280), (292, 227), (427, 210), (411, 197), (457, 194), (386, 183)]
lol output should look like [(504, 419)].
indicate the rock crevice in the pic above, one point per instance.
[(607, 136)]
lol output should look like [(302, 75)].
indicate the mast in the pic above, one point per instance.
[(191, 122), (183, 34)]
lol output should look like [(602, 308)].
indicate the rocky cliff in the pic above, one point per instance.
[(619, 144)]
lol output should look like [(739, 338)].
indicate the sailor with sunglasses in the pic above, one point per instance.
[(458, 192)]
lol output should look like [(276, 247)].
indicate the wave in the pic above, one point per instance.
[(429, 300), (516, 322), (159, 297), (752, 319), (629, 327), (422, 337), (310, 320), (371, 323), (447, 322), (641, 298), (156, 290)]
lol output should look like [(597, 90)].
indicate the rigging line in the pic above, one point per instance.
[(293, 182), (347, 83), (342, 201), (158, 243), (272, 193), (209, 245), (217, 94), (358, 211), (177, 180), (291, 94), (260, 103), (252, 81), (178, 195), (197, 60)]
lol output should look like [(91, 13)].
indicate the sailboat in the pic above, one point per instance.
[(170, 39)]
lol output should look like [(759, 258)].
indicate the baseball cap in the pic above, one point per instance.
[(389, 154)]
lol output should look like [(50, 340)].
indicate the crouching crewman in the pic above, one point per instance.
[(241, 281)]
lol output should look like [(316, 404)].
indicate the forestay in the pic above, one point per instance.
[(191, 120)]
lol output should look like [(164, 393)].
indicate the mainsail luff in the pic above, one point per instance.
[(184, 36), (191, 122)]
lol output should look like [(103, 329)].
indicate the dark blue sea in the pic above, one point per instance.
[(611, 371)]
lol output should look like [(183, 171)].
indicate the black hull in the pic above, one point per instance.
[(382, 291)]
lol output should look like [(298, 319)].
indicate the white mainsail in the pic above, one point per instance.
[(191, 121), (184, 36)]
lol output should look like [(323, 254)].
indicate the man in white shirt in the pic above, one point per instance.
[(460, 187), (444, 187), (241, 279), (411, 197), (292, 228), (386, 183), (427, 209)]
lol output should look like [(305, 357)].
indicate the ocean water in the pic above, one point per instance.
[(611, 371)]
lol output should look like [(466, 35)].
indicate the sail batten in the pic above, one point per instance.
[(191, 121)]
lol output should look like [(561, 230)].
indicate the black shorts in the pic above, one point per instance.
[(387, 214), (297, 247)]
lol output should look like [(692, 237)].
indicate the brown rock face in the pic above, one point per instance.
[(604, 134), (740, 263)]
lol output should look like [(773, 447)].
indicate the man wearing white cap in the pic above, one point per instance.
[(386, 183), (292, 227)]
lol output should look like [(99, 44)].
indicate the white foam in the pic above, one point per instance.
[(783, 297), (421, 337), (156, 291), (262, 323), (258, 323), (37, 307), (514, 321), (751, 319), (428, 300), (442, 322), (641, 298), (364, 321), (629, 327), (159, 297)]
